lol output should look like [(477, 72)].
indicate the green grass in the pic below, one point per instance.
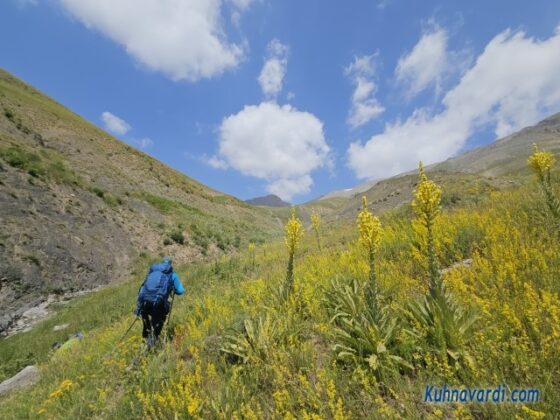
[(164, 205), (44, 164), (22, 159)]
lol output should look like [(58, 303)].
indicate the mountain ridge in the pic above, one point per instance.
[(269, 200)]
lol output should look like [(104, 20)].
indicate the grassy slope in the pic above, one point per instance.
[(291, 370)]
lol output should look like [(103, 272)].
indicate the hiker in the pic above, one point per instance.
[(153, 298)]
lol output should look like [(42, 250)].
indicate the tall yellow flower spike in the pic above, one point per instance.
[(294, 232), (316, 225), (315, 219), (370, 237), (427, 199), (540, 161), (370, 228)]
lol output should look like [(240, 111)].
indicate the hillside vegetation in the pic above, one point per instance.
[(353, 319), (79, 206)]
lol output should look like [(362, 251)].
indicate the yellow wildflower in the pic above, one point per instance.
[(294, 232), (370, 228), (533, 414), (427, 199), (540, 161)]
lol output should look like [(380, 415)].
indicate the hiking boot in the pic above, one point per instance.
[(150, 342)]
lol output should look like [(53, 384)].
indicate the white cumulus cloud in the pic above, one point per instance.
[(272, 74), (513, 83), (365, 107), (115, 124), (183, 39), (275, 143)]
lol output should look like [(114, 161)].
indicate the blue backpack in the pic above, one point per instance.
[(158, 284)]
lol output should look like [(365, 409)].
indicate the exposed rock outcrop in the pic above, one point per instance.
[(28, 376)]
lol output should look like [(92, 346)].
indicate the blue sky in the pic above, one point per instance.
[(296, 98)]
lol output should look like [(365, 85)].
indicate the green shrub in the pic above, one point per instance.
[(98, 192), (21, 159), (177, 237), (33, 172), (61, 174), (32, 259), (164, 205), (111, 200), (9, 114)]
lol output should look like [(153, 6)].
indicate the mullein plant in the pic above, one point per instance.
[(255, 343), (427, 206), (447, 325), (542, 162), (294, 232), (370, 231), (366, 331), (316, 226)]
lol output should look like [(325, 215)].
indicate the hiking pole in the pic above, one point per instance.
[(122, 338), (169, 316), (127, 331)]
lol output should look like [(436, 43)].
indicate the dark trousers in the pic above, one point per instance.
[(153, 318)]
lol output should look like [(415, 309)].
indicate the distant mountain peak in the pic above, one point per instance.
[(269, 200)]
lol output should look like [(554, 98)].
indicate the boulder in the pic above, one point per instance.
[(60, 327), (28, 376)]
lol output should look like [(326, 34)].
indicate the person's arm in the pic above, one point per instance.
[(177, 285)]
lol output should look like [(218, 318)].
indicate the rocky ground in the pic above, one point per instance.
[(27, 316)]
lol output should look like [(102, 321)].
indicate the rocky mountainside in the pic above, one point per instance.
[(77, 206), (270, 200)]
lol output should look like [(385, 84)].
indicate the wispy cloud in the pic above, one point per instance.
[(364, 105), (430, 62), (273, 72), (144, 143)]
